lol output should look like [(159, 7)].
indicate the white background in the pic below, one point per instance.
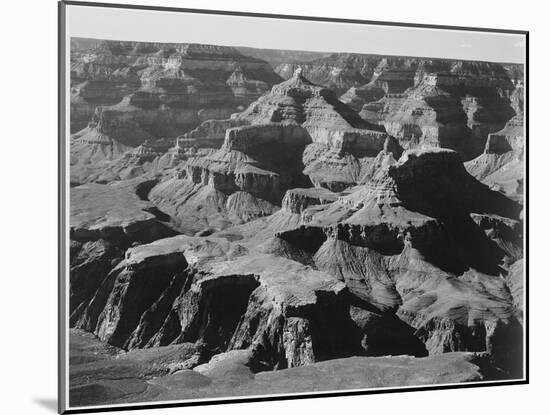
[(28, 151)]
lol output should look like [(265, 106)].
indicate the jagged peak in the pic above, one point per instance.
[(299, 85)]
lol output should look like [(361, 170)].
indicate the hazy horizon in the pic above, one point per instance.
[(292, 35)]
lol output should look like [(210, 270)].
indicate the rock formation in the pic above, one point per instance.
[(401, 264), (297, 233), (128, 92), (338, 71), (147, 160), (105, 221), (295, 135), (391, 77), (451, 104), (501, 165), (110, 375)]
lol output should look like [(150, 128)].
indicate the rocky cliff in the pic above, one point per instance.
[(109, 375), (338, 71), (501, 165), (272, 151), (447, 103), (129, 92), (106, 220), (302, 234), (411, 262), (450, 104), (421, 261), (202, 77)]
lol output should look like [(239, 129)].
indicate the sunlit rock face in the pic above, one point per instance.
[(422, 236), (124, 93), (409, 262), (422, 102), (231, 228), (296, 135), (449, 104), (501, 165)]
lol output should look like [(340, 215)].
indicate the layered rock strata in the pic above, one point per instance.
[(403, 264), (207, 291), (129, 92), (310, 234), (454, 109), (105, 221), (501, 165), (279, 148), (422, 248)]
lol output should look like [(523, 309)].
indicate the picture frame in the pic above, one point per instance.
[(122, 344)]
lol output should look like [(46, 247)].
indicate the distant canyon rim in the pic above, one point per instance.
[(248, 222)]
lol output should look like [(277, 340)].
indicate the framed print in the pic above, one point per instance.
[(259, 207)]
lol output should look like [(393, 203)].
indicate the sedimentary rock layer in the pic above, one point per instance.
[(296, 234)]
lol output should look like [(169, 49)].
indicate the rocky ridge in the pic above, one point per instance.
[(501, 165), (453, 106), (402, 264), (295, 135), (129, 92), (300, 236)]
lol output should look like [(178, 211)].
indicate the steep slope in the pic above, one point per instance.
[(501, 165), (274, 151), (104, 222), (452, 104), (410, 262), (309, 234), (391, 77), (338, 71), (128, 92), (107, 161), (422, 247), (421, 101)]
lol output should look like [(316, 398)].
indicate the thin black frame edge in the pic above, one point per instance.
[(61, 306), (62, 388)]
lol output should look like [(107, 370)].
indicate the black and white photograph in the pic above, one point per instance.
[(260, 207)]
